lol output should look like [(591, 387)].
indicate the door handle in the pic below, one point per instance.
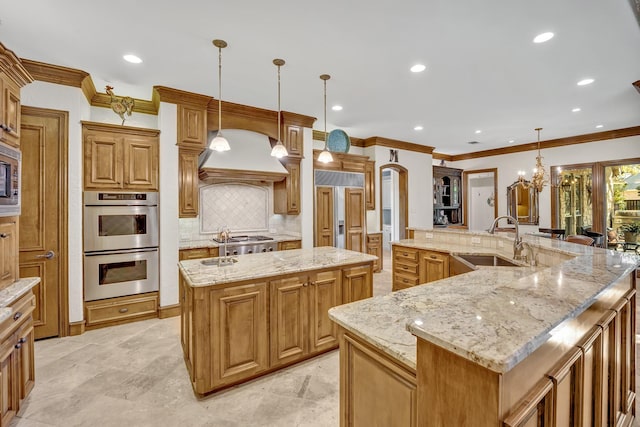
[(48, 255)]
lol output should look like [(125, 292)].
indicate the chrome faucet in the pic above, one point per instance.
[(517, 242)]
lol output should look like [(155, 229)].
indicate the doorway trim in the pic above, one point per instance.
[(465, 192), (63, 202), (403, 196)]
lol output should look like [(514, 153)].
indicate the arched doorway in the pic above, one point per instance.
[(394, 210)]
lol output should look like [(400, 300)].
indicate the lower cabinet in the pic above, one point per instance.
[(115, 311), (413, 266), (286, 245), (17, 369), (374, 247), (234, 332)]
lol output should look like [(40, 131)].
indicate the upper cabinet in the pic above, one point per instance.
[(13, 76), (293, 140), (120, 157), (286, 193), (447, 196), (192, 126), (370, 185)]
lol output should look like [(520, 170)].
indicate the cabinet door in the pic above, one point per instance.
[(567, 390), (288, 319), (370, 185), (239, 345), (592, 377), (186, 325), (324, 293), (433, 266), (188, 183), (192, 126), (290, 244), (286, 193), (536, 409), (374, 247), (357, 283), (8, 251), (354, 219), (25, 361), (141, 163), (324, 216), (103, 162), (8, 384), (11, 119), (293, 140)]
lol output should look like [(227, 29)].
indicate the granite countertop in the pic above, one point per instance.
[(495, 317), (209, 243), (267, 264), (13, 292)]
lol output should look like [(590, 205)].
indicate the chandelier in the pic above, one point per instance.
[(540, 177)]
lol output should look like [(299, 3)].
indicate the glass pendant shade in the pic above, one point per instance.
[(219, 143), (279, 150), (325, 156)]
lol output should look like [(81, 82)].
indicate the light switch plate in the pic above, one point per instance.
[(428, 235), (500, 244), (476, 241)]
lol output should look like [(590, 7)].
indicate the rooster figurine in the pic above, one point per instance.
[(120, 105)]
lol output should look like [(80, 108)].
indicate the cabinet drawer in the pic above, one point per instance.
[(405, 268), (436, 255), (116, 309), (21, 311), (194, 253), (373, 238), (405, 280), (405, 254)]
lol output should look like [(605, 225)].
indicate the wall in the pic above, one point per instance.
[(509, 164)]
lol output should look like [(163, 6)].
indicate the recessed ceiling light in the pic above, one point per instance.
[(575, 110), (418, 68), (418, 128), (544, 37), (132, 58), (478, 131), (511, 141), (337, 108), (599, 126), (585, 82)]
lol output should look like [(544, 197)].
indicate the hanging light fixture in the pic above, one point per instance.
[(279, 150), (540, 177), (325, 156), (219, 143)]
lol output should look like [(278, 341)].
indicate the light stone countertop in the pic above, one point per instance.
[(209, 243), (13, 292), (267, 264), (493, 316)]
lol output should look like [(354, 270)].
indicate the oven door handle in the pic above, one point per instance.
[(121, 251)]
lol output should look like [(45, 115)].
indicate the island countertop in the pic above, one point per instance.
[(494, 317), (268, 264)]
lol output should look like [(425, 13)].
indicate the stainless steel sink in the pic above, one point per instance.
[(218, 262), (487, 260)]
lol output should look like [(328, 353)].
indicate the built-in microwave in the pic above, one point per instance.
[(9, 180)]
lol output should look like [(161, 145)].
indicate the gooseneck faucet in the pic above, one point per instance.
[(517, 242)]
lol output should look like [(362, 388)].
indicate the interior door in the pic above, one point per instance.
[(324, 216), (41, 221), (354, 219)]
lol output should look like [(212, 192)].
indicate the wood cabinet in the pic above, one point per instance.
[(370, 184), (286, 245), (413, 266), (293, 140), (237, 331), (115, 311), (536, 409), (192, 127), (298, 310), (120, 157), (8, 251), (374, 247), (324, 227), (197, 253), (433, 266), (447, 196), (188, 180), (17, 369), (13, 76), (286, 193), (354, 219)]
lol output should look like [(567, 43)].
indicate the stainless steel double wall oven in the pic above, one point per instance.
[(120, 244)]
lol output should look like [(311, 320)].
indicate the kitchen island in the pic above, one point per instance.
[(264, 311), (551, 344)]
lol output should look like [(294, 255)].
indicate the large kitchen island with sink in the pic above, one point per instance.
[(521, 345), (264, 311)]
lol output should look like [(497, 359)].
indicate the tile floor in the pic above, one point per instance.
[(134, 375)]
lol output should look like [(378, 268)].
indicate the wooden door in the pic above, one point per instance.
[(433, 266), (357, 284), (43, 222), (354, 219), (103, 161), (324, 216), (324, 293), (288, 319), (239, 331), (141, 163), (8, 251)]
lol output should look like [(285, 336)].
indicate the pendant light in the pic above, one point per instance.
[(540, 177), (219, 143), (325, 156), (279, 150)]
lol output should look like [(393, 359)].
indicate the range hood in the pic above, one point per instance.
[(249, 159)]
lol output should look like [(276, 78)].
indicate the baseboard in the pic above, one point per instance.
[(76, 328), (169, 311)]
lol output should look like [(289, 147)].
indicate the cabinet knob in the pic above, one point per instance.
[(18, 346), (404, 280), (3, 235), (433, 256), (17, 315), (405, 254), (22, 340), (123, 310), (405, 267)]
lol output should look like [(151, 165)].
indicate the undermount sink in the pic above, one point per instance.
[(487, 260), (218, 262)]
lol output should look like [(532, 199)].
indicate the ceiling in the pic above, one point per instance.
[(483, 70)]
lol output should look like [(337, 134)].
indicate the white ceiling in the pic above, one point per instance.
[(483, 71)]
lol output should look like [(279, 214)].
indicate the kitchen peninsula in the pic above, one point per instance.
[(264, 311), (551, 344)]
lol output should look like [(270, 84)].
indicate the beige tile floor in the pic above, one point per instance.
[(134, 375)]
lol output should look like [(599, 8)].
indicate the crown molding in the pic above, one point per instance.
[(440, 156), (177, 96), (319, 135), (400, 145), (13, 67), (297, 119), (552, 143)]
